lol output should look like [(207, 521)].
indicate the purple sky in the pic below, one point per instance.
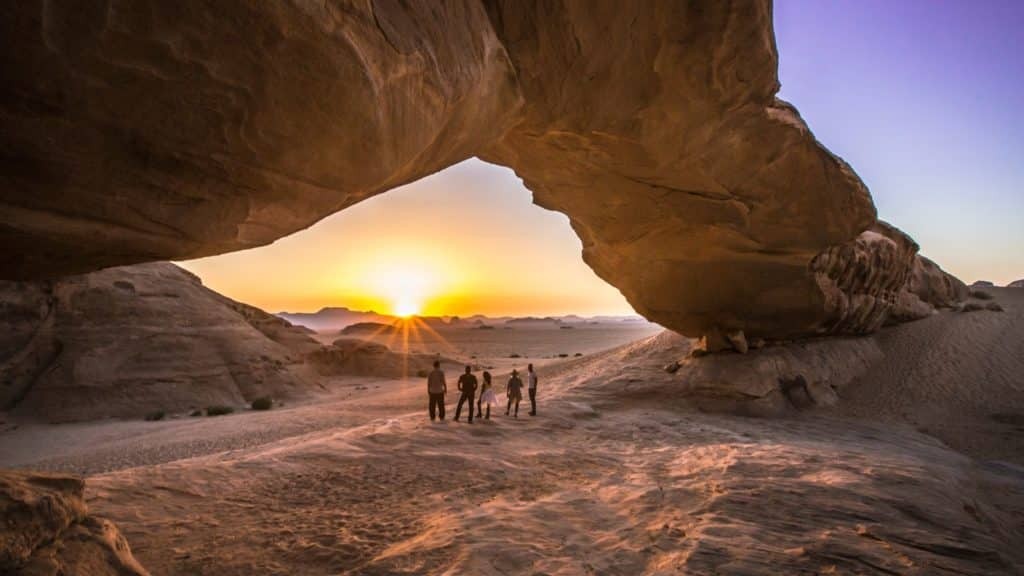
[(926, 100)]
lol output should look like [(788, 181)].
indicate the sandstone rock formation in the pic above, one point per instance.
[(47, 530), (157, 130), (125, 341), (1016, 284), (361, 358)]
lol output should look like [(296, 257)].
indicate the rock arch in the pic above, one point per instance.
[(137, 131)]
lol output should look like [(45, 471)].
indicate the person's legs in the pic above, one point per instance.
[(517, 407), (509, 407), (440, 406), (471, 407), (533, 401), (458, 408), (488, 411), (478, 400), (432, 406)]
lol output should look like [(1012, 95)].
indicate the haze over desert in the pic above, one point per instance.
[(493, 287)]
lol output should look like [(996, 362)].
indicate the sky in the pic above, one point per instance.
[(923, 98)]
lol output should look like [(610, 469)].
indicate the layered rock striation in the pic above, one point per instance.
[(128, 340), (165, 131)]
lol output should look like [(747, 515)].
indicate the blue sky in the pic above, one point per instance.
[(924, 99)]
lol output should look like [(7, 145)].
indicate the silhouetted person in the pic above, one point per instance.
[(487, 395), (467, 385), (531, 380), (436, 388), (514, 390)]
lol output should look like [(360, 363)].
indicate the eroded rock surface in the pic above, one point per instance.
[(347, 356), (47, 530), (155, 130), (129, 340)]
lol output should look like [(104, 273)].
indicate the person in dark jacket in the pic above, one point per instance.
[(467, 385), (436, 389)]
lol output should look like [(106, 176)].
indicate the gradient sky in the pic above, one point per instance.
[(923, 98)]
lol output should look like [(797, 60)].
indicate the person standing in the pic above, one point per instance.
[(487, 395), (467, 386), (531, 379), (436, 389), (514, 390)]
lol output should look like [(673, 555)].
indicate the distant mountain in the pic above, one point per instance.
[(534, 320), (367, 328), (340, 318), (333, 319)]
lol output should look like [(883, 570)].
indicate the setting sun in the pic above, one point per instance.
[(404, 286), (406, 308)]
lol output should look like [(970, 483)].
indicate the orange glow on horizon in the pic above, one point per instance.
[(464, 241)]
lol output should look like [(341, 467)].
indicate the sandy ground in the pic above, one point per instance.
[(606, 480)]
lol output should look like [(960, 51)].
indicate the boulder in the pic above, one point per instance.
[(1016, 284), (175, 130), (47, 530), (127, 341)]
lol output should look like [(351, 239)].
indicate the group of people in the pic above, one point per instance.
[(468, 384)]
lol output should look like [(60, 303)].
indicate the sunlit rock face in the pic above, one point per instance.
[(156, 130)]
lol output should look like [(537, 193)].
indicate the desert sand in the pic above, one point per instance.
[(918, 469)]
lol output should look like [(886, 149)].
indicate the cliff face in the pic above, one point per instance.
[(154, 130)]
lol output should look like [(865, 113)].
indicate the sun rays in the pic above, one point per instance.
[(404, 333)]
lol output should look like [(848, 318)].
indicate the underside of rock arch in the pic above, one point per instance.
[(138, 131)]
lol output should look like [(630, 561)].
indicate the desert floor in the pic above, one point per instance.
[(910, 474)]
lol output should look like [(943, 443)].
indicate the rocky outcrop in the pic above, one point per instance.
[(47, 530), (1016, 284), (351, 357), (877, 278), (126, 341), (159, 131)]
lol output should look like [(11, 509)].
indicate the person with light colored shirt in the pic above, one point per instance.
[(532, 385), (436, 389)]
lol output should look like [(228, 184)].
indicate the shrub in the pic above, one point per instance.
[(578, 354), (154, 416), (195, 413), (262, 403), (218, 410), (973, 307), (563, 355), (422, 373), (514, 356)]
